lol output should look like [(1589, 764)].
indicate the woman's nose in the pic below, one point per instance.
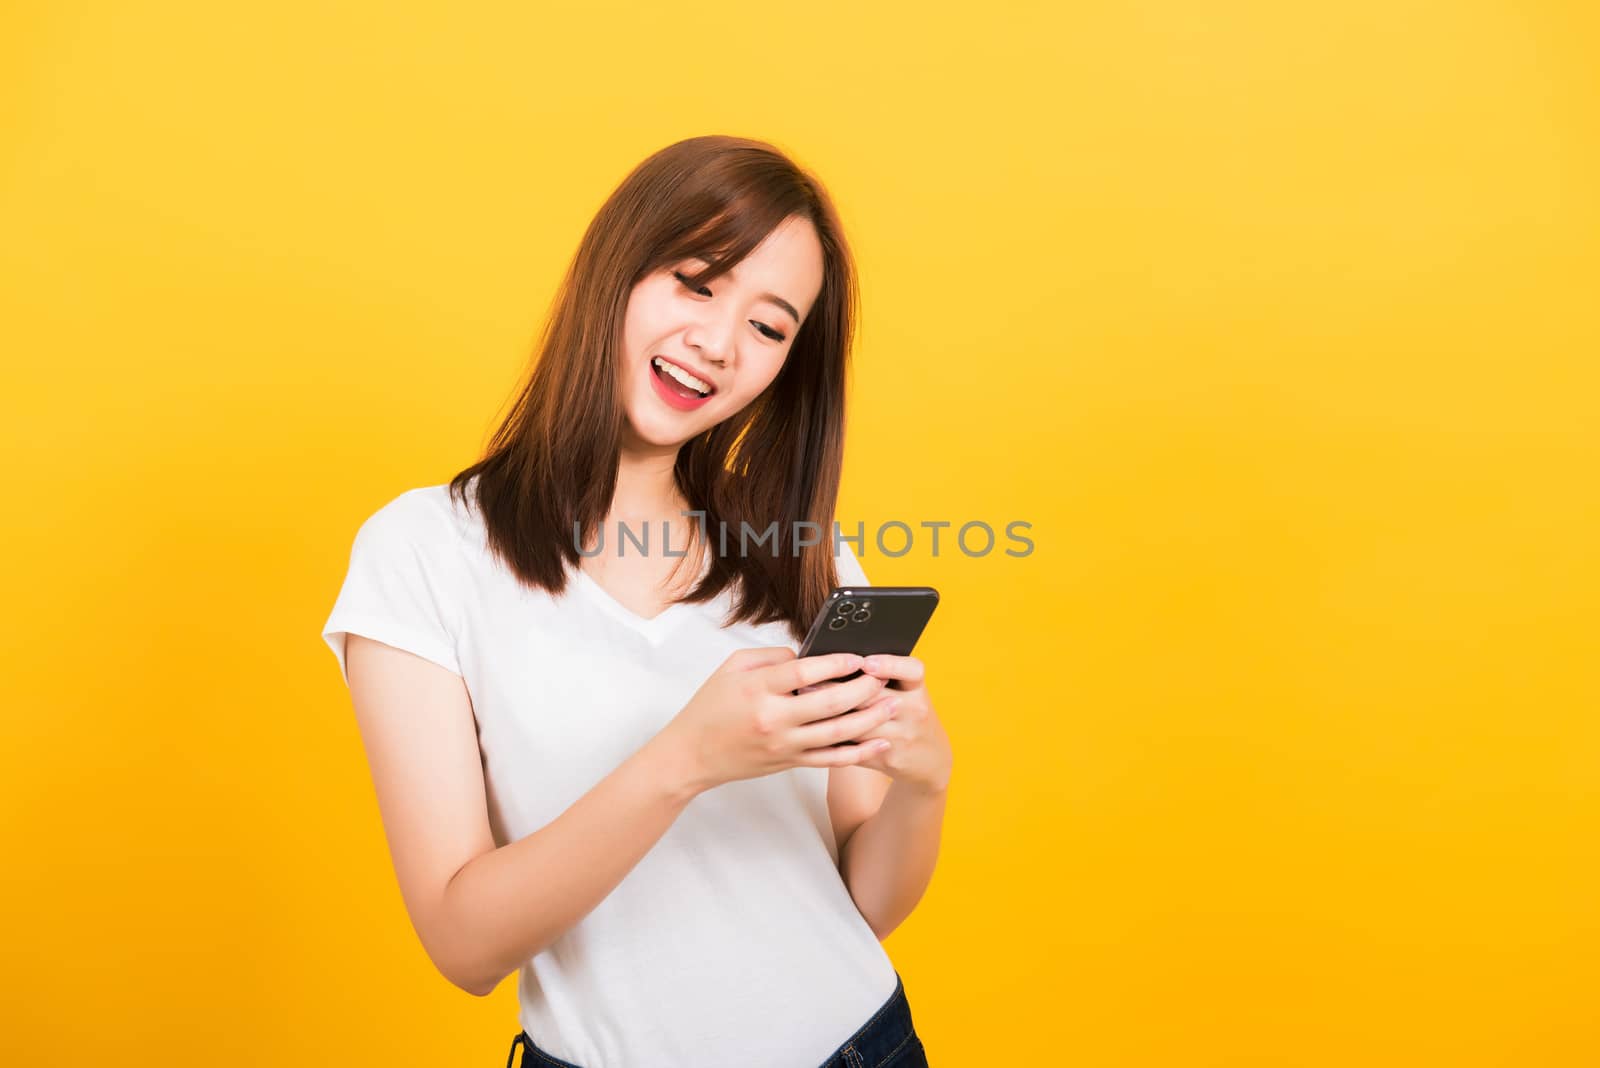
[(713, 337)]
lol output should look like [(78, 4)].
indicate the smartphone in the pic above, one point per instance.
[(871, 619)]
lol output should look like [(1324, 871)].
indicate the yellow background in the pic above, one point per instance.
[(1279, 325)]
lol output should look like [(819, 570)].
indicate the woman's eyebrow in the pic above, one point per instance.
[(771, 297), (785, 305)]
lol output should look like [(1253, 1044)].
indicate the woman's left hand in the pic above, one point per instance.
[(919, 751)]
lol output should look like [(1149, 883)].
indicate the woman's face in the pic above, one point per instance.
[(730, 337)]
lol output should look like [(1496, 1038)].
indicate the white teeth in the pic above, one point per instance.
[(681, 375)]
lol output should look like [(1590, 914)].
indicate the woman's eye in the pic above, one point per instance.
[(703, 291), (766, 330)]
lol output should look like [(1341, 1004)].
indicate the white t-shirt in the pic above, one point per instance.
[(734, 941)]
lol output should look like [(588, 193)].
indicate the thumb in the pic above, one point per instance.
[(758, 656)]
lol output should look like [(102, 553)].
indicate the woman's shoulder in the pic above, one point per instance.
[(425, 517), (848, 564)]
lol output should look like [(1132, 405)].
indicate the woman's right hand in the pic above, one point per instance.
[(747, 719)]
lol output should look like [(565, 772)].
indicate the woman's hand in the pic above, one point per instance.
[(747, 719), (919, 751)]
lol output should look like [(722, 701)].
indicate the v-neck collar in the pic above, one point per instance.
[(654, 629)]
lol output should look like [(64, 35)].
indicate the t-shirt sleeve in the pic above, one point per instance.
[(849, 568), (402, 587)]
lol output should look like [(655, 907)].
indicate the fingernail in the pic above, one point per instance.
[(872, 663)]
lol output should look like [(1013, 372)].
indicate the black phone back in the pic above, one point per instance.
[(871, 619)]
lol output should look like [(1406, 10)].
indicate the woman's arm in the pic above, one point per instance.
[(574, 862), (888, 861), (479, 910)]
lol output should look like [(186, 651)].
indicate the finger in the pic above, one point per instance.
[(805, 670), (758, 656), (847, 726), (906, 671), (833, 700), (840, 756)]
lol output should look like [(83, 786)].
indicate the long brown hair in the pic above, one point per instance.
[(550, 468)]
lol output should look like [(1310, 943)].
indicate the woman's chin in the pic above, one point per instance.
[(652, 434)]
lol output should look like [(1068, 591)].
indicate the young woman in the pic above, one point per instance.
[(599, 760)]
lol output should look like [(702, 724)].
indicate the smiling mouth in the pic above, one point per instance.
[(680, 381)]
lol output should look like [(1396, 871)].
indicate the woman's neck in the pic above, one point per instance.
[(647, 496), (646, 486)]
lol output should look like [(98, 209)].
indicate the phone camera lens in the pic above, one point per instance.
[(861, 616), (838, 623), (845, 607)]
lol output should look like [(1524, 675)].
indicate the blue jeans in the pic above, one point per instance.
[(886, 1040)]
